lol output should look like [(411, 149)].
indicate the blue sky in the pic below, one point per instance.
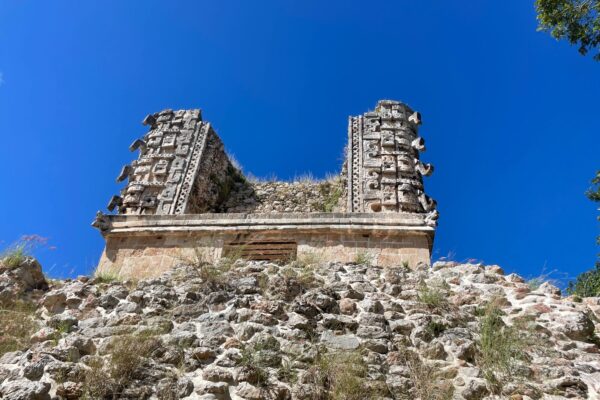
[(510, 115)]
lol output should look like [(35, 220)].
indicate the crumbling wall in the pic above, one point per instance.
[(215, 179), (290, 197), (182, 168)]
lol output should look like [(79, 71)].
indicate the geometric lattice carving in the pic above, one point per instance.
[(384, 168)]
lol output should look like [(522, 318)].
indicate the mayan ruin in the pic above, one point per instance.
[(183, 194), (238, 200)]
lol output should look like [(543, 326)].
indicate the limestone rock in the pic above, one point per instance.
[(183, 337), (25, 390)]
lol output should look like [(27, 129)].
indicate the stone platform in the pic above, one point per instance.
[(147, 245)]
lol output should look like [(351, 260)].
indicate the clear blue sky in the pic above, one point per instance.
[(511, 116)]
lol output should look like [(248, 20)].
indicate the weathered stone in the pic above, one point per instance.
[(25, 390), (341, 342)]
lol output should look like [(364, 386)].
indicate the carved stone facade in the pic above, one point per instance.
[(181, 159), (384, 168), (183, 193)]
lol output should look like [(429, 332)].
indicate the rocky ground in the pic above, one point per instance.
[(255, 330)]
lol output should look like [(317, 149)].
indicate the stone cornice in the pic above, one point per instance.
[(385, 223)]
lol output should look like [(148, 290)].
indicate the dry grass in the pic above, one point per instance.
[(106, 378), (339, 376), (107, 277), (306, 178), (363, 258), (434, 295), (304, 275), (501, 347), (426, 380), (308, 259), (331, 190), (14, 256), (17, 324)]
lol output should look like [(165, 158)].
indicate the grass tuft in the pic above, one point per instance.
[(17, 324), (106, 378), (107, 277), (434, 295), (363, 258), (501, 347), (339, 376), (427, 380)]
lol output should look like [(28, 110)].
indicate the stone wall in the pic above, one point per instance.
[(258, 330), (383, 165), (293, 197), (182, 168), (143, 246)]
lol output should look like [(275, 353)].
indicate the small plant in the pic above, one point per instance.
[(500, 348), (434, 296), (363, 258), (427, 381), (107, 277), (308, 259), (331, 191), (536, 282), (126, 354), (435, 328), (252, 358), (17, 324), (15, 255), (339, 376), (213, 274), (286, 371), (230, 255)]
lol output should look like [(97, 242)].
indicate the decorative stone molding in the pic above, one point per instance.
[(179, 158), (384, 169)]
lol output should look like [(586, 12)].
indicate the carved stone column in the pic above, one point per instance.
[(181, 156), (384, 168)]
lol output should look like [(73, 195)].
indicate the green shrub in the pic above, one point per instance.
[(586, 284)]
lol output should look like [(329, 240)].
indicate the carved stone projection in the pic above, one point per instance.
[(383, 165), (180, 169)]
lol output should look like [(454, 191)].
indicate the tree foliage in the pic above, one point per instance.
[(588, 283), (577, 21)]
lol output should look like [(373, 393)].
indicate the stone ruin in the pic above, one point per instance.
[(185, 199)]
